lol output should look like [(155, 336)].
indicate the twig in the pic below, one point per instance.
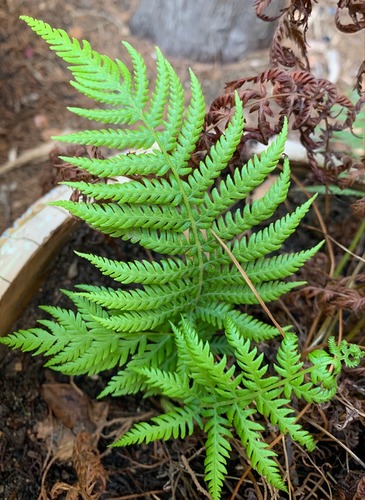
[(139, 495), (193, 477), (331, 253), (39, 153), (359, 233), (319, 427), (249, 283)]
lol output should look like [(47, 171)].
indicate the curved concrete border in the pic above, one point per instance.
[(27, 248)]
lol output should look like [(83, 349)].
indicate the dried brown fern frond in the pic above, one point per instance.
[(314, 106), (355, 10), (289, 45)]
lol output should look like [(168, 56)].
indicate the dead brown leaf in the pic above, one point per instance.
[(73, 408), (68, 405)]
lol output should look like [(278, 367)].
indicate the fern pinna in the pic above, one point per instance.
[(183, 214)]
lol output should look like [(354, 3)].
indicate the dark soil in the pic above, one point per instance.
[(34, 93), (25, 413), (33, 423)]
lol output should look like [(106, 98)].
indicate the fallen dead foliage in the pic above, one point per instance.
[(337, 295), (352, 487), (72, 431), (92, 476)]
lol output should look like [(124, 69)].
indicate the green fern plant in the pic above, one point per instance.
[(217, 399), (162, 336)]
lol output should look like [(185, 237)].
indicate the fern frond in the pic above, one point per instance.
[(278, 267), (125, 382), (229, 225), (152, 354), (87, 309), (347, 353), (172, 385), (258, 452), (268, 291), (93, 355), (153, 297), (113, 219), (253, 329), (215, 313), (81, 349), (60, 334), (108, 116), (219, 345), (148, 191), (117, 139), (271, 238), (289, 364), (177, 423), (237, 186), (140, 91), (260, 270), (219, 156), (217, 449), (190, 130), (199, 360), (90, 69), (33, 339), (138, 321), (175, 111), (144, 272), (271, 406), (289, 367), (173, 243), (130, 164), (181, 332)]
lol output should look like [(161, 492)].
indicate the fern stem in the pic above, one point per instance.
[(244, 400), (185, 198), (194, 227)]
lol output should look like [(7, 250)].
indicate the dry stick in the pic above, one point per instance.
[(311, 332), (257, 488), (356, 329), (249, 282), (340, 326), (193, 477), (39, 153), (290, 486), (321, 223), (359, 233), (319, 427), (329, 247), (291, 317), (348, 251)]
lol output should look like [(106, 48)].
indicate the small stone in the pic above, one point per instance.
[(72, 270)]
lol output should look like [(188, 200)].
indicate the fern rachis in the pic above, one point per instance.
[(177, 210)]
